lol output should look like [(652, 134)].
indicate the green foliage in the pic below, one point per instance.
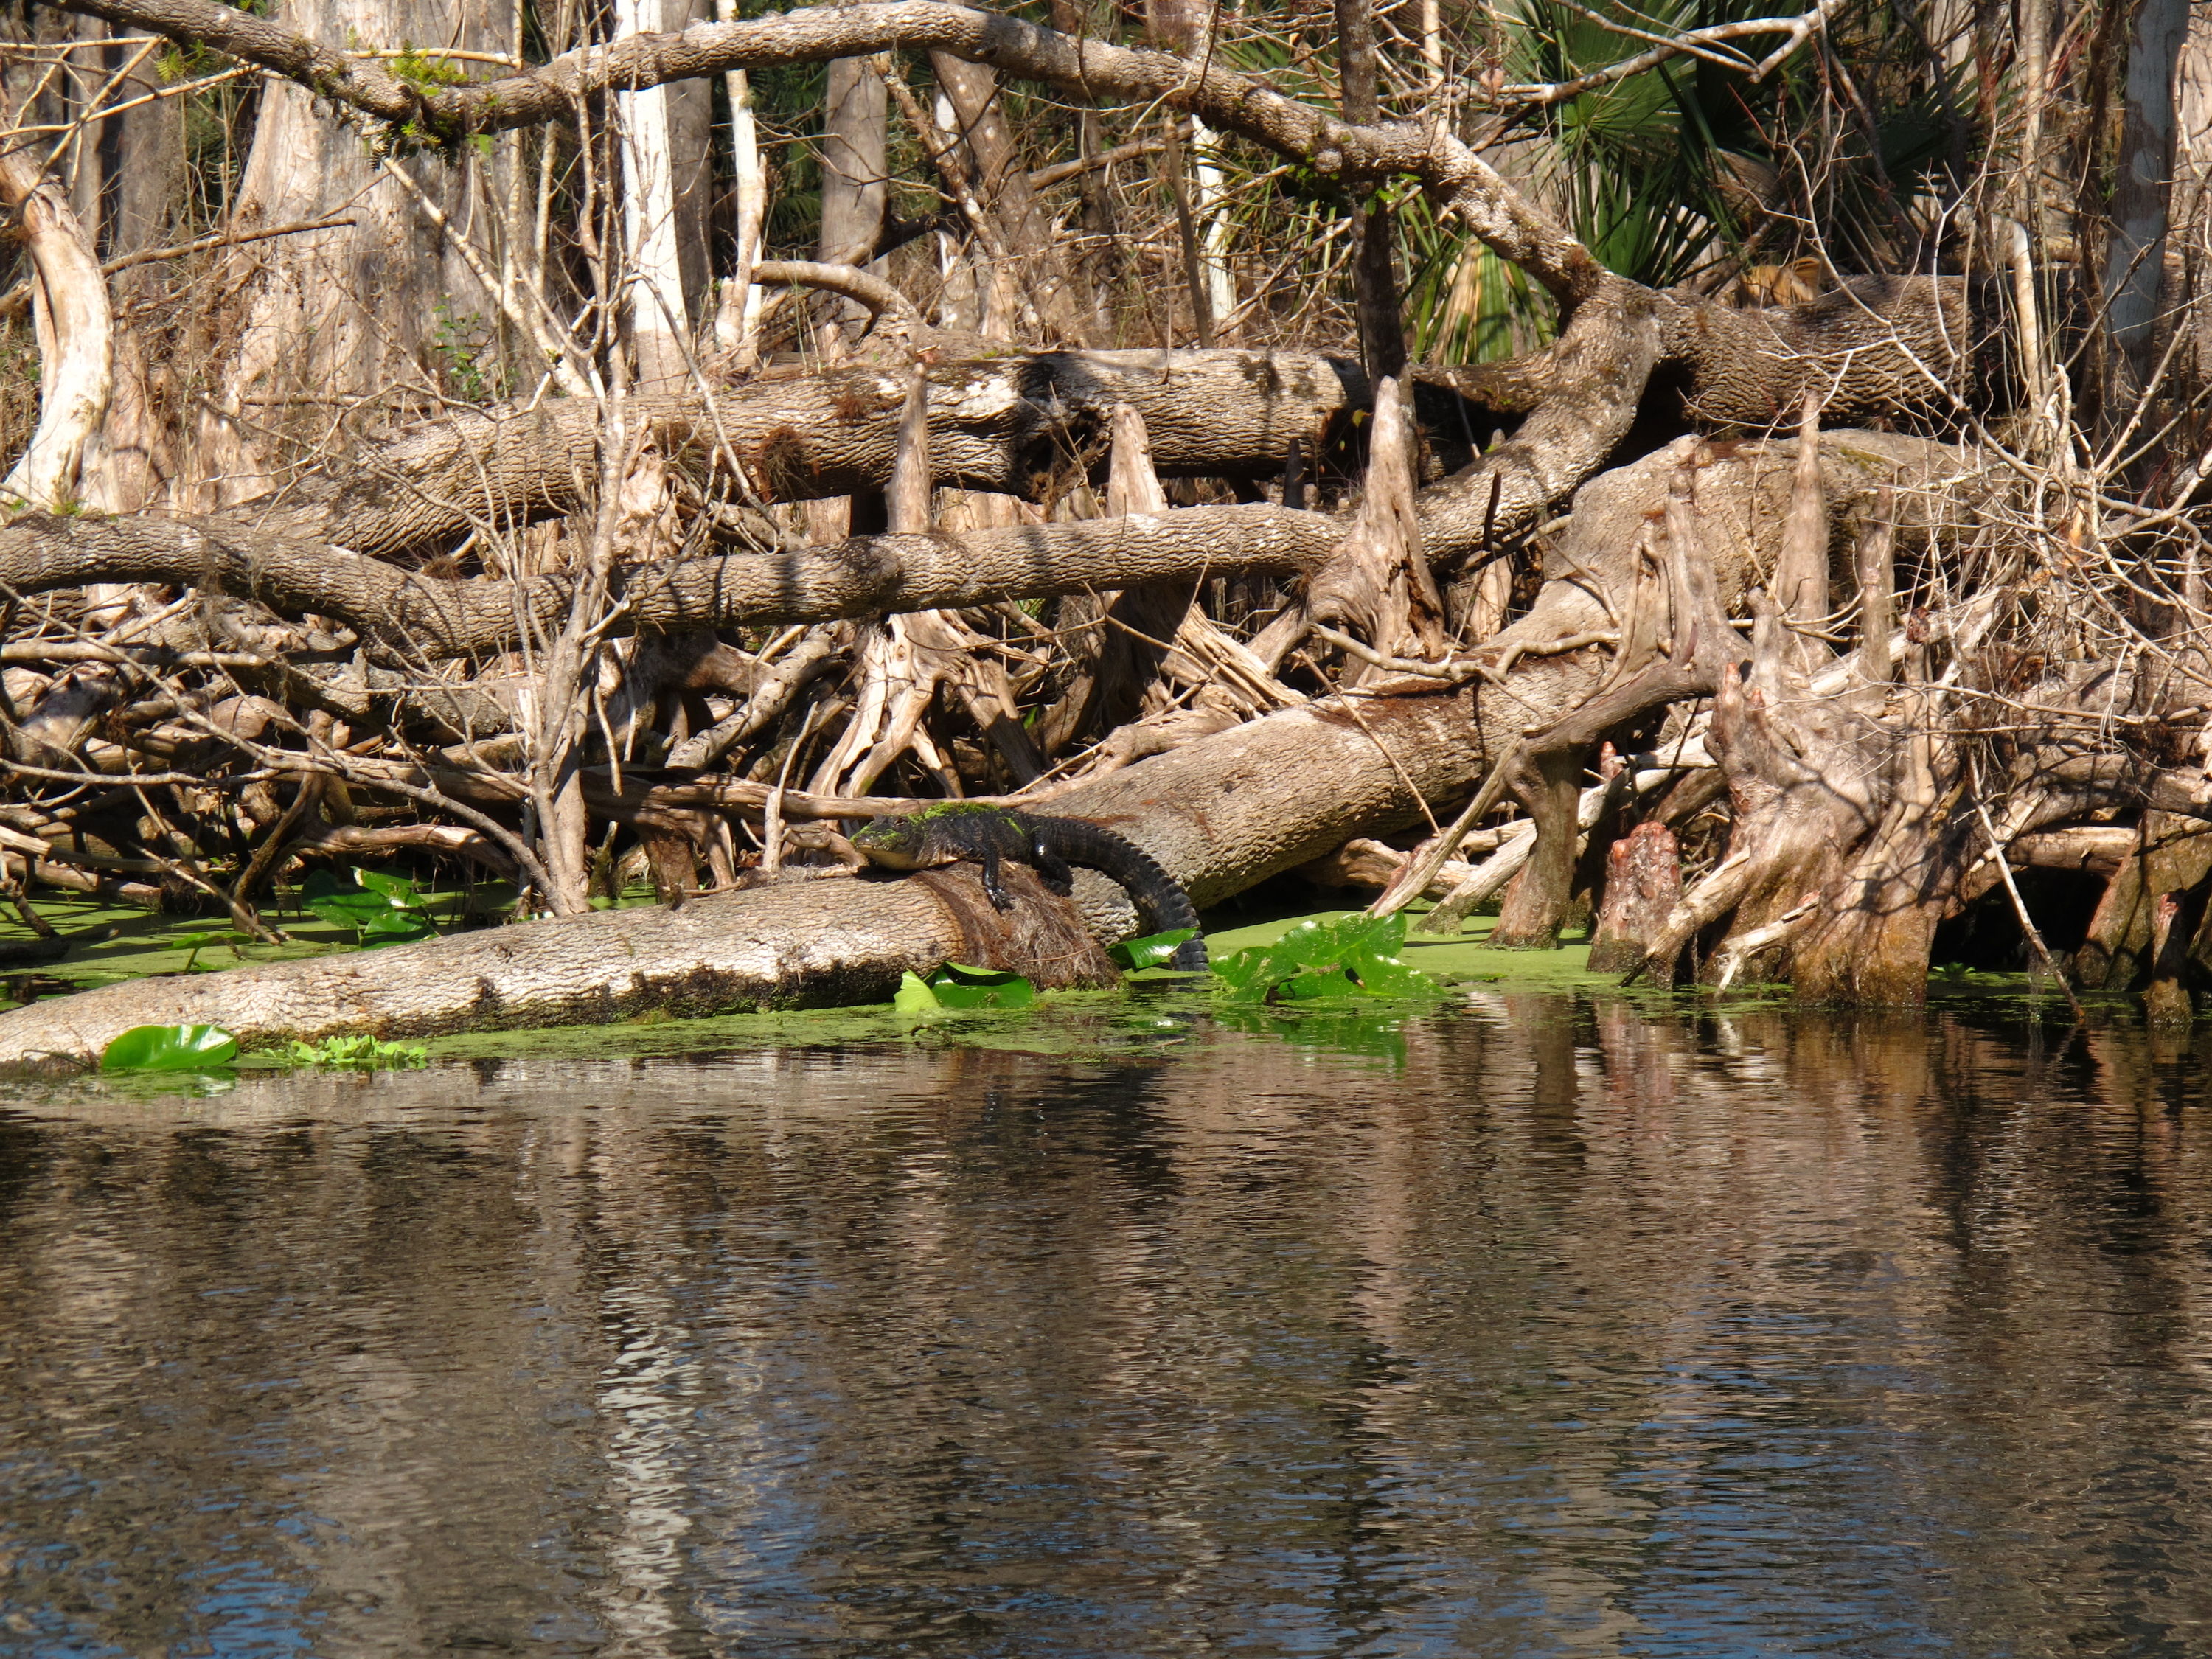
[(914, 996), (1354, 956), (469, 347), (426, 72), (169, 1049), (1666, 172), (954, 986), (381, 909), (1463, 303), (354, 1054), (1640, 163), (958, 987), (1150, 950)]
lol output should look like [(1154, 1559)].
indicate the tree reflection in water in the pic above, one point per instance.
[(1560, 1325)]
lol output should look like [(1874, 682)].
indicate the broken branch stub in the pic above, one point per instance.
[(1378, 580)]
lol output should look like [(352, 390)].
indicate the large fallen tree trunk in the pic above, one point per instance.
[(1016, 424), (1220, 816), (797, 944), (867, 575)]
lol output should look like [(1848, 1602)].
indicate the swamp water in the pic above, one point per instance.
[(1539, 1324)]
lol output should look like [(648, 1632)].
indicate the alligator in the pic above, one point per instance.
[(990, 836)]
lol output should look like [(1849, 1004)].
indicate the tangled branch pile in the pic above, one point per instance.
[(1880, 597)]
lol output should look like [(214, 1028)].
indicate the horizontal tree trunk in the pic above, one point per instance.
[(1002, 423), (797, 944), (865, 576)]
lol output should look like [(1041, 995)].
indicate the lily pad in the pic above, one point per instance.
[(169, 1049), (1150, 950), (382, 909), (958, 987), (914, 996), (1354, 956)]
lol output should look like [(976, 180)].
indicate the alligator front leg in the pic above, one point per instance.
[(995, 889)]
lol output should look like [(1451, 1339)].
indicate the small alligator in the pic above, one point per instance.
[(992, 835)]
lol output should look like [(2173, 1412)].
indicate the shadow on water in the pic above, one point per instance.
[(1555, 1324)]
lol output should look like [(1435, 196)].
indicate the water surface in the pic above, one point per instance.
[(1553, 1327)]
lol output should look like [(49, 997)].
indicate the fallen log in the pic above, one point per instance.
[(1219, 814), (867, 575), (1004, 424), (796, 943)]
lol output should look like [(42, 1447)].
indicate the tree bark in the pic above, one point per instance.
[(798, 944), (75, 337), (2135, 267), (1375, 284), (1062, 302), (2169, 855), (659, 319), (347, 312), (856, 186), (867, 575), (1642, 884)]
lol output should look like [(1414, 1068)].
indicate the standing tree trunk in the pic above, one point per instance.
[(1642, 884), (76, 350), (1002, 185), (653, 276), (2135, 264), (738, 315), (854, 190), (314, 319), (1382, 339)]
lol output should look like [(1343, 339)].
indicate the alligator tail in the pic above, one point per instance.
[(1162, 905)]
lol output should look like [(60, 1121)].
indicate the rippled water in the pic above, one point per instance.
[(1566, 1328)]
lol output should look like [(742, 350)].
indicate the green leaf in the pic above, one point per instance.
[(914, 996), (1150, 950), (400, 892), (383, 909), (358, 912), (169, 1049), (1389, 976), (1343, 956), (1306, 988), (357, 1053), (956, 986), (395, 928), (1247, 975)]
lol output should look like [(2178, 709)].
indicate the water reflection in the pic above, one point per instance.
[(1563, 1327)]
